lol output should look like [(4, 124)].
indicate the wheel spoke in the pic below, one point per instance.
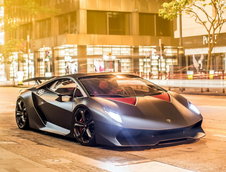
[(90, 122), (19, 105), (20, 122), (88, 133), (18, 113), (84, 127), (78, 124), (21, 115), (83, 115), (83, 132)]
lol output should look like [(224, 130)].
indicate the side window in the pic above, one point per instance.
[(65, 86)]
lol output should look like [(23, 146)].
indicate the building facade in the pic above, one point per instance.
[(95, 36)]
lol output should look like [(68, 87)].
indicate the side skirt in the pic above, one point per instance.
[(52, 128)]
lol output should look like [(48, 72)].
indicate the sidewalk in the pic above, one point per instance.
[(10, 161), (207, 87)]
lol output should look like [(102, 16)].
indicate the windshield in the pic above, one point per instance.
[(119, 86)]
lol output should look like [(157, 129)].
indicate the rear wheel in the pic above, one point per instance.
[(21, 115), (83, 127)]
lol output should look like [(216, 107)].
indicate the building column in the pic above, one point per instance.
[(135, 60), (82, 59), (54, 67), (36, 57), (134, 25), (82, 21)]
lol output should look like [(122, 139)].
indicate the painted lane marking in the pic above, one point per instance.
[(7, 142), (153, 166), (219, 135)]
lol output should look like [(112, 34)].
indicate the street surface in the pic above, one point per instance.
[(32, 151)]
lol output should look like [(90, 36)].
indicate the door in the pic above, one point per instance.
[(55, 109)]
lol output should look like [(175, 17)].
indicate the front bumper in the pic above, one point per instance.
[(118, 136)]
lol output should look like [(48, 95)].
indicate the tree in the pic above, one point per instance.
[(8, 50), (208, 13), (12, 24)]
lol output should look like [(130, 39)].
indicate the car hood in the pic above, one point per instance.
[(150, 112)]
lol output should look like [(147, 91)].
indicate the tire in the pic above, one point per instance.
[(21, 115), (83, 127)]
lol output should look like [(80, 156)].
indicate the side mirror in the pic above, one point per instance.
[(60, 95)]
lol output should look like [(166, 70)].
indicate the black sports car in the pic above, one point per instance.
[(109, 108)]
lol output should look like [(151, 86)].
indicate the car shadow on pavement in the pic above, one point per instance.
[(142, 148), (110, 148)]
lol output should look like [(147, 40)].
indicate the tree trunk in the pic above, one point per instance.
[(209, 60), (7, 71)]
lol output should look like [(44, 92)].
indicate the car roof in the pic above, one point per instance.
[(78, 76), (84, 75)]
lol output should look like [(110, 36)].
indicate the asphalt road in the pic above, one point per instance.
[(26, 151)]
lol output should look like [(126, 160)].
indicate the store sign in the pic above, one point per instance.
[(204, 50), (205, 40)]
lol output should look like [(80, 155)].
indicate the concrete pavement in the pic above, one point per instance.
[(25, 151)]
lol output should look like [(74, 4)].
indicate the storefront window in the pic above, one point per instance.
[(45, 65), (146, 50), (95, 65), (105, 50), (66, 50), (71, 66), (125, 65)]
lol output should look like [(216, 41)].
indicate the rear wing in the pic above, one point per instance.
[(38, 80)]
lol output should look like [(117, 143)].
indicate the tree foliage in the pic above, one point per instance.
[(208, 13), (12, 21)]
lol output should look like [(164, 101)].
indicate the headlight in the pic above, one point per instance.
[(193, 108), (114, 116)]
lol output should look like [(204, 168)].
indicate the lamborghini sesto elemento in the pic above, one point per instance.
[(108, 109)]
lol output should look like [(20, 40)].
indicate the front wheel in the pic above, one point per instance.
[(83, 127), (21, 115)]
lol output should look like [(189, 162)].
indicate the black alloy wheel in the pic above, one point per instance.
[(21, 115), (84, 127)]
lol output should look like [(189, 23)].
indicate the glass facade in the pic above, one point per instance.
[(45, 62), (67, 23), (112, 23), (96, 22), (163, 27), (147, 24), (105, 50), (154, 65), (43, 28), (152, 24), (111, 58), (21, 65), (63, 53), (118, 23)]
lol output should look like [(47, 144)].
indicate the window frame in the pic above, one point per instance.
[(48, 85)]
